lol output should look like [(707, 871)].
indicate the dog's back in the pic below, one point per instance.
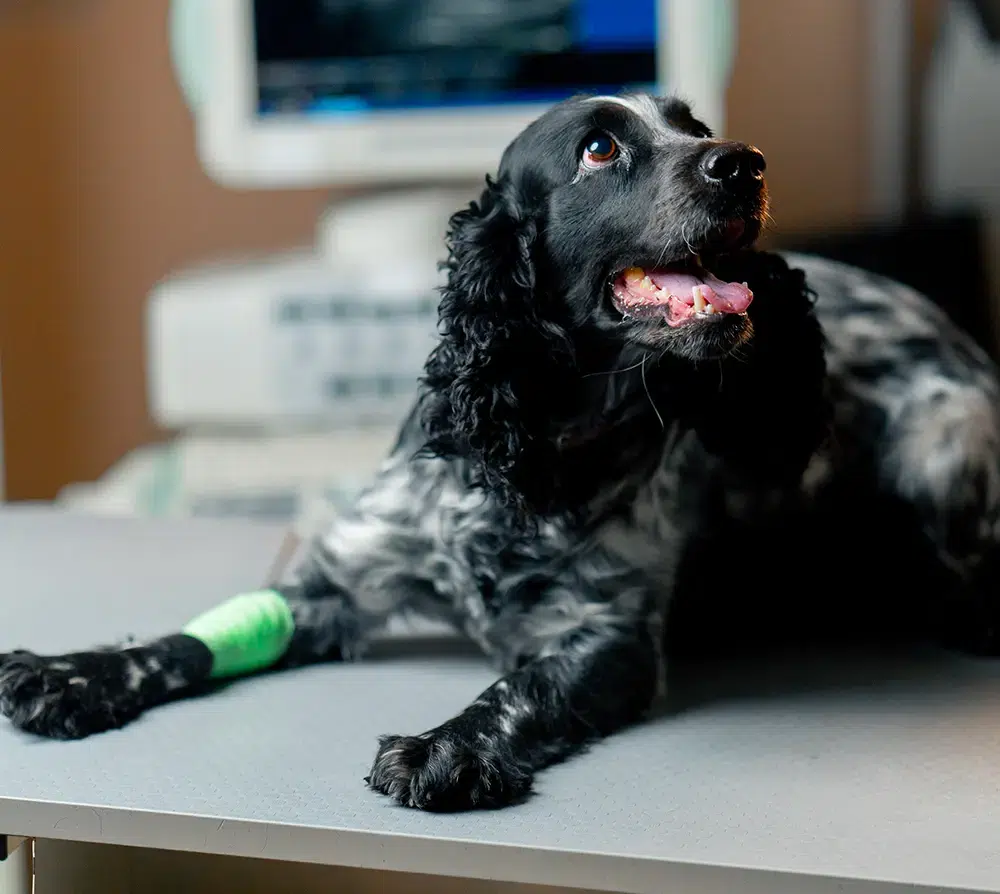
[(916, 402)]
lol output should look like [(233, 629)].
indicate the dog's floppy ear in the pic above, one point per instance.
[(490, 380)]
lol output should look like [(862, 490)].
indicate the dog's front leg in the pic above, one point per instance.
[(582, 685), (360, 573)]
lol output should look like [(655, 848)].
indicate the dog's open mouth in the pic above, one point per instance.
[(677, 294)]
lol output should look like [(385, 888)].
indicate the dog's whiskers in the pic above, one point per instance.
[(652, 403), (611, 372), (687, 240), (739, 354), (660, 256)]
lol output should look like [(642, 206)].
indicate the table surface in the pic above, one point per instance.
[(852, 771)]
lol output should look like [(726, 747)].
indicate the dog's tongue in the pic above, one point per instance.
[(728, 297)]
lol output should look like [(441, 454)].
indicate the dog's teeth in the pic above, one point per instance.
[(634, 275), (699, 299), (647, 283), (745, 286), (710, 309)]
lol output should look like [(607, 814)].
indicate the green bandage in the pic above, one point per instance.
[(246, 633)]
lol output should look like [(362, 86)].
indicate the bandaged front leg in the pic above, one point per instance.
[(245, 634), (256, 631), (75, 695)]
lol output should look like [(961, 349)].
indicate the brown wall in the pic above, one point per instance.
[(101, 195), (798, 92)]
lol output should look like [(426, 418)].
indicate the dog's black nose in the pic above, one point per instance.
[(734, 166)]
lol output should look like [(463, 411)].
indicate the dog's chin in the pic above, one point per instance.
[(701, 340)]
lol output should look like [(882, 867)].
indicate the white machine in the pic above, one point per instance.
[(412, 101)]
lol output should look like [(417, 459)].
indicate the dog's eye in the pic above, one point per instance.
[(598, 150)]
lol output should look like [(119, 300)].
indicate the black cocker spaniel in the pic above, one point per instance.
[(625, 394)]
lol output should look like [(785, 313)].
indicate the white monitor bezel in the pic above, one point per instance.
[(240, 149)]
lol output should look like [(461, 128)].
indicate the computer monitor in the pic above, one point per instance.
[(333, 92)]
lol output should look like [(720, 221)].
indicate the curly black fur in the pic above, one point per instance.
[(500, 353)]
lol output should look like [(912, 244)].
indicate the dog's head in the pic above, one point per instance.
[(595, 245), (638, 199)]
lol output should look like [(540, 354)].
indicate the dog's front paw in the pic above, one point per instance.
[(439, 771), (69, 696)]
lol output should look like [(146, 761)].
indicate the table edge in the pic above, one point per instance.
[(452, 857)]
